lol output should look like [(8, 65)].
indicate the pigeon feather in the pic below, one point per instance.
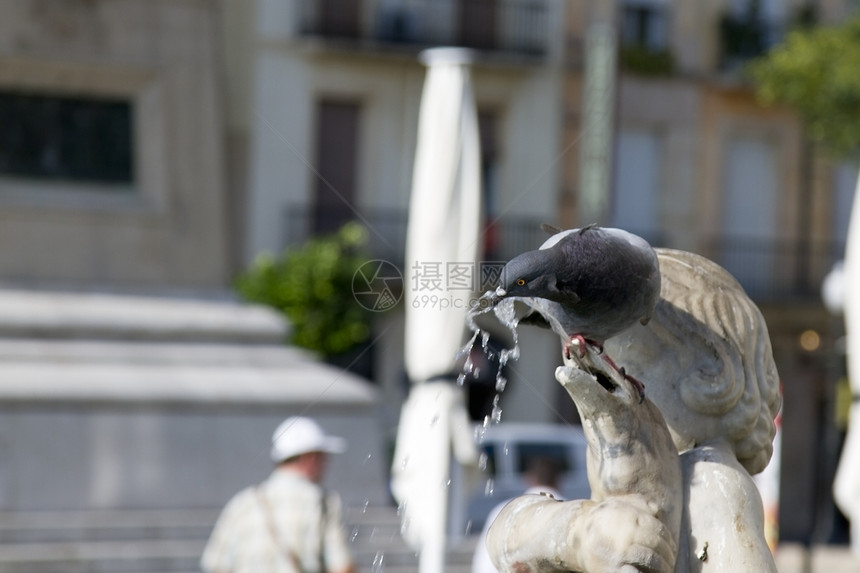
[(594, 281)]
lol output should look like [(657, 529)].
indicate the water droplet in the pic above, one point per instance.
[(354, 535), (501, 382), (497, 414), (467, 348), (377, 562), (461, 379), (468, 366), (489, 487), (480, 432), (365, 505), (482, 461)]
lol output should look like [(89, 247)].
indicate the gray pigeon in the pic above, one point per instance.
[(589, 284)]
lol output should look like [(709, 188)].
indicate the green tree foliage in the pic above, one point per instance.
[(312, 286), (817, 72)]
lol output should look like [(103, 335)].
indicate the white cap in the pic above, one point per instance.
[(298, 435)]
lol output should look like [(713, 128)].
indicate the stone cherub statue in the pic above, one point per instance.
[(671, 476)]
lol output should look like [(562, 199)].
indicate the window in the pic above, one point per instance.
[(68, 138), (638, 179), (751, 196), (488, 128), (748, 29), (337, 164), (477, 24), (643, 25), (339, 18)]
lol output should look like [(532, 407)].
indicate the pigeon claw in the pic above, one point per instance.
[(637, 385), (579, 341)]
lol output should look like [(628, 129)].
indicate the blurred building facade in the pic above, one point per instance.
[(136, 395), (332, 124), (236, 128), (112, 164)]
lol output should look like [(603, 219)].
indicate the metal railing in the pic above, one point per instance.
[(502, 239), (776, 270), (769, 269), (505, 26)]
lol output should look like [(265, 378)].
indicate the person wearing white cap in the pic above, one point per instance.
[(288, 523)]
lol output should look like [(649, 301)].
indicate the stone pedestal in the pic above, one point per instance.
[(127, 408)]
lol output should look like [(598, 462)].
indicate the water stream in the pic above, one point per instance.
[(505, 312)]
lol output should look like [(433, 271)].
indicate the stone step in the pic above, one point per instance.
[(122, 525), (145, 541), (115, 316), (100, 556), (163, 555)]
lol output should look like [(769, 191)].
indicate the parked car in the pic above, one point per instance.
[(506, 449)]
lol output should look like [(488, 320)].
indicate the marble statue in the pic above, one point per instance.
[(671, 481)]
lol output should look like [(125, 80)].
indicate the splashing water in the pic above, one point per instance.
[(466, 352), (496, 414), (506, 313), (501, 381)]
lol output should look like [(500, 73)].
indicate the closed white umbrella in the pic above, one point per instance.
[(846, 485), (442, 247)]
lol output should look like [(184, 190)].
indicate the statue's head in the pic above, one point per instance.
[(706, 360)]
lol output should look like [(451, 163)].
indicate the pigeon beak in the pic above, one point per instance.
[(500, 292)]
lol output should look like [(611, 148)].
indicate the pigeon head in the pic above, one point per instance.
[(529, 274)]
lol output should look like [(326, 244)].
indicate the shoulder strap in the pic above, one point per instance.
[(323, 529), (270, 524)]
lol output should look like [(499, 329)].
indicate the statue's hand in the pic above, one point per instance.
[(533, 534), (617, 536)]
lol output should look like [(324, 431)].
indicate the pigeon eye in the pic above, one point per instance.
[(521, 282)]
